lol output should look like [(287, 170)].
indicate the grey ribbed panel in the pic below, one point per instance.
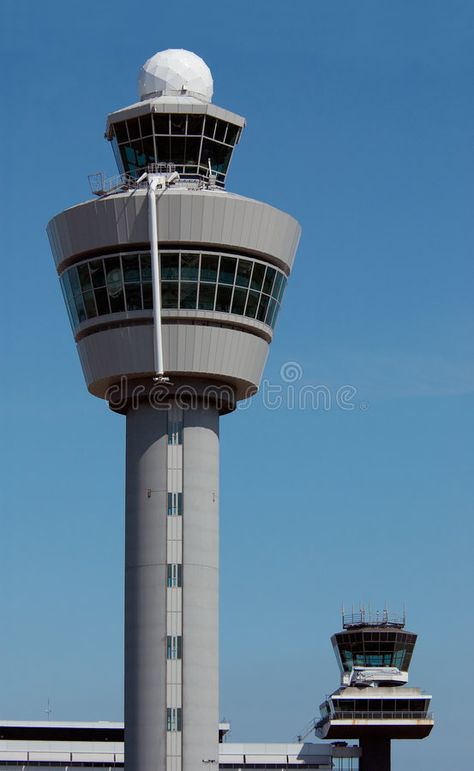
[(220, 219), (212, 352)]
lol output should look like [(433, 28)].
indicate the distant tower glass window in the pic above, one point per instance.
[(175, 432), (174, 647), (174, 576), (175, 504), (174, 719)]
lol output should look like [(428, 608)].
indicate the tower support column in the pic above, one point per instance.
[(171, 588), (376, 754)]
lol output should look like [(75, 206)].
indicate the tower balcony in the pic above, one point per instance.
[(391, 712)]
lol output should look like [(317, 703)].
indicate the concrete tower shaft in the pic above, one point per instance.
[(200, 289), (171, 587)]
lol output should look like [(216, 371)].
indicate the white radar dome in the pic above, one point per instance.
[(176, 72)]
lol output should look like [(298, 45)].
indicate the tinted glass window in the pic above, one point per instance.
[(195, 123), (133, 155), (131, 268), (147, 296), (113, 274), (169, 294), (133, 294), (146, 125), (188, 295), (170, 267), (209, 265), (118, 156), (145, 262), (262, 308), (97, 272), (116, 299), (275, 314), (277, 285), (206, 297), (232, 132), (121, 132), (81, 311), (84, 278), (102, 301), (133, 128), (243, 273), (161, 123), (218, 154), (163, 150), (223, 297), (271, 312), (252, 302), (149, 149), (220, 130), (210, 126), (238, 302), (75, 283), (193, 146), (227, 270), (89, 304), (177, 150), (257, 276), (189, 267), (178, 124), (269, 278)]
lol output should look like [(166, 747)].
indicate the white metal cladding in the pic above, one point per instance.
[(211, 218), (228, 355)]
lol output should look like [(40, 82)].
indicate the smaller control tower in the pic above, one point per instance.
[(373, 703)]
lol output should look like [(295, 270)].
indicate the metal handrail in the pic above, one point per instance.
[(100, 185), (376, 619), (422, 715)]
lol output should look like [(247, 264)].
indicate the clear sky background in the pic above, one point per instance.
[(360, 123)]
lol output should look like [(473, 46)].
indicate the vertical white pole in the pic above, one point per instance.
[(154, 181)]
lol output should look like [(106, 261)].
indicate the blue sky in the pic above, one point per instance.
[(360, 122)]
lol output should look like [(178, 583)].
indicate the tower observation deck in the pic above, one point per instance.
[(173, 286)]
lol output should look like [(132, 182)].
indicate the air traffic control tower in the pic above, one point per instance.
[(373, 703), (173, 288)]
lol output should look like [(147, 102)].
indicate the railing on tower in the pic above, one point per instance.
[(365, 617), (101, 185)]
